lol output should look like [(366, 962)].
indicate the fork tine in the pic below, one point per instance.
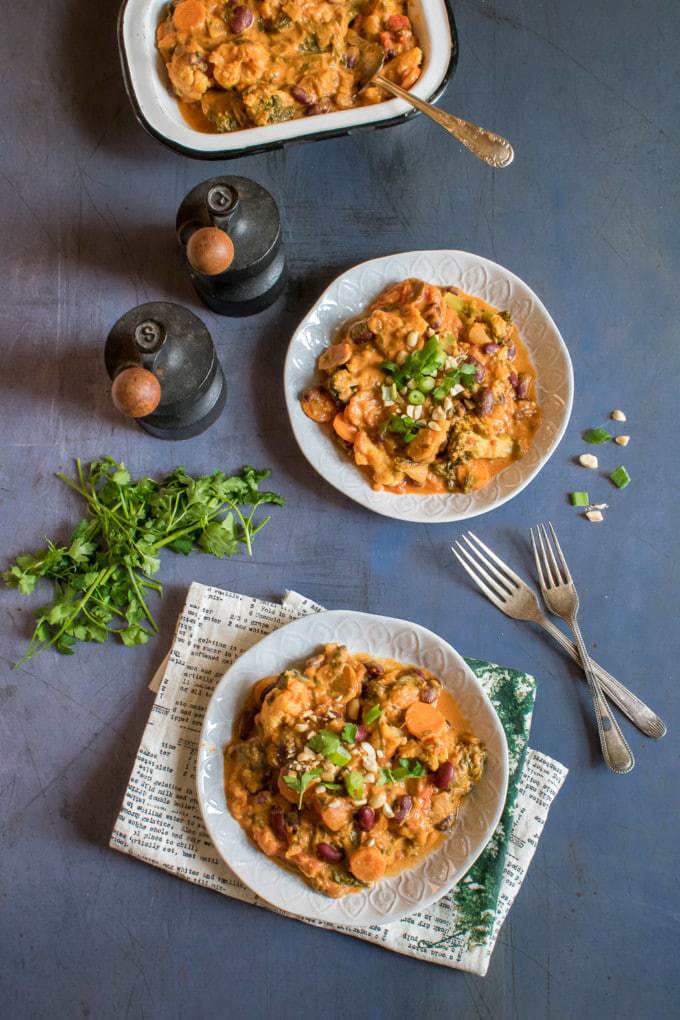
[(555, 569), (539, 566), (504, 567), (565, 566), (491, 595), (503, 581), (502, 593)]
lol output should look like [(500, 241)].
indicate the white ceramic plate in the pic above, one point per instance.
[(156, 108), (349, 295), (436, 874)]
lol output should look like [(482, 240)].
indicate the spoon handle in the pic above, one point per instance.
[(487, 146)]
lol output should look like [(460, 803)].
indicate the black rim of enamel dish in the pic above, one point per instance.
[(253, 150)]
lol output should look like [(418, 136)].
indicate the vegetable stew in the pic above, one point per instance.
[(239, 65), (351, 769), (430, 391)]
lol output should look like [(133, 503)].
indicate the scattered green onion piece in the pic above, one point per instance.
[(620, 477), (390, 366), (579, 499), (416, 397), (372, 715), (596, 436), (439, 359), (387, 395), (426, 384), (354, 784)]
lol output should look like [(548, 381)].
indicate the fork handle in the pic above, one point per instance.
[(641, 715), (615, 750)]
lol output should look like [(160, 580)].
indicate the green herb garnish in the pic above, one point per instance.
[(354, 784), (300, 783), (403, 425), (579, 499), (596, 436), (328, 744), (372, 715), (349, 733), (409, 768), (620, 477), (103, 576)]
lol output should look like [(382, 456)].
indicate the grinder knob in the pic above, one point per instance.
[(136, 392), (210, 251)]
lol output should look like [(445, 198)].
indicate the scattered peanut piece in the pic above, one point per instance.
[(622, 440), (618, 416), (594, 516), (588, 460)]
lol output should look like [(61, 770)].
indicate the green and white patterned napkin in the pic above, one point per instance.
[(160, 820)]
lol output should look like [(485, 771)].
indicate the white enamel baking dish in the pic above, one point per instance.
[(156, 108)]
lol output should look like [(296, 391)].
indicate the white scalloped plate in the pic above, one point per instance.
[(439, 871), (349, 295)]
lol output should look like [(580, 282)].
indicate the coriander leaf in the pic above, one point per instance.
[(349, 733), (300, 784), (219, 538)]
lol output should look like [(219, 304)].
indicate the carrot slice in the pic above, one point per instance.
[(344, 429), (367, 864), (423, 720), (189, 16), (336, 818)]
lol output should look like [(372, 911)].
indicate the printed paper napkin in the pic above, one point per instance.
[(160, 820)]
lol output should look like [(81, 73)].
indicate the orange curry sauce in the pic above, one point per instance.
[(431, 391), (235, 65)]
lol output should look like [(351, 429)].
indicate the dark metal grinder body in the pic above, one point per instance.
[(249, 215), (173, 344)]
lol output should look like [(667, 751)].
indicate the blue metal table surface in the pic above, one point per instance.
[(589, 93)]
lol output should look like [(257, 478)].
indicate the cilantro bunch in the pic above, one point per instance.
[(103, 577)]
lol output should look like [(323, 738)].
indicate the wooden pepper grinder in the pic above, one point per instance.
[(229, 229), (165, 370)]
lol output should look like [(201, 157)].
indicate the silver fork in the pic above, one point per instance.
[(561, 598), (513, 596)]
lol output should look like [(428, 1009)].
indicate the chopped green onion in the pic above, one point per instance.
[(620, 477), (349, 732), (596, 436), (387, 395), (579, 499), (354, 784), (416, 397), (390, 366), (372, 715), (426, 384), (439, 359), (439, 393)]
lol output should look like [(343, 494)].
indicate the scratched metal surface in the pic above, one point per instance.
[(588, 215)]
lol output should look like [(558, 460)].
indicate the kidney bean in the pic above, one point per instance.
[(321, 106), (491, 348), (445, 824), (362, 733), (268, 688), (514, 378), (429, 693), (246, 724), (523, 385), (480, 371), (277, 820), (241, 19), (443, 776), (329, 854), (485, 402), (301, 95), (402, 808), (365, 818)]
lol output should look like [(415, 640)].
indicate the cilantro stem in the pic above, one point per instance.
[(147, 611)]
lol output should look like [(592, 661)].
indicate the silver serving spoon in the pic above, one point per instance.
[(487, 146)]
